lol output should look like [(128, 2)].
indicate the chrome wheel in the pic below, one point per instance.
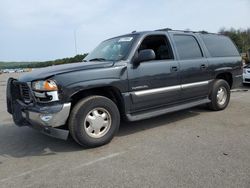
[(97, 122), (221, 96)]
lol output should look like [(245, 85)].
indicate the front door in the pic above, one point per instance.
[(154, 83)]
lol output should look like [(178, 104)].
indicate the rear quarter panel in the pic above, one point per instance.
[(225, 64)]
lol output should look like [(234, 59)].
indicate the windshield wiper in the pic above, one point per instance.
[(98, 59)]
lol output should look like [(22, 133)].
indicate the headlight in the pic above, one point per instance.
[(46, 85)]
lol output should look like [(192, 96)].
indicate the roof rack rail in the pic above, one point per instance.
[(203, 32), (185, 31), (164, 29)]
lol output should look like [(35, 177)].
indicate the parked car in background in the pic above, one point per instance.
[(19, 70), (246, 74)]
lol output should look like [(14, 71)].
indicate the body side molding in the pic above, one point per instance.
[(170, 88)]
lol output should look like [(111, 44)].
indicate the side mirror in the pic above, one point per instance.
[(145, 55)]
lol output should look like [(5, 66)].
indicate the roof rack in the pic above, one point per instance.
[(185, 31), (164, 29)]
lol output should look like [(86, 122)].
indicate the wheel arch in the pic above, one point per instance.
[(111, 92), (227, 76)]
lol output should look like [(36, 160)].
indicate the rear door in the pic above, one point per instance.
[(194, 73), (154, 83)]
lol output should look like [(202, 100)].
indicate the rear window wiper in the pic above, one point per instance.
[(98, 59)]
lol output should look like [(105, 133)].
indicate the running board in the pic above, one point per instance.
[(158, 112)]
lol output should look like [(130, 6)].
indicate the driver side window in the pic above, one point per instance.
[(159, 44)]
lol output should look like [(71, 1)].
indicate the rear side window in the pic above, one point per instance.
[(187, 47), (219, 45)]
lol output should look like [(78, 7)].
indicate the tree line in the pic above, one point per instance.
[(14, 65), (241, 37)]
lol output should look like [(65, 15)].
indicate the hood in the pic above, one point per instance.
[(43, 73)]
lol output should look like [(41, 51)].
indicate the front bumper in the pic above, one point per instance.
[(42, 118), (47, 116)]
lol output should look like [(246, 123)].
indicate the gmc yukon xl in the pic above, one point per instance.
[(132, 77)]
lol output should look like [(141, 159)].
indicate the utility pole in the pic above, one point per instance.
[(75, 41)]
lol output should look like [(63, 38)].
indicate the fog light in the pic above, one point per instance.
[(46, 117)]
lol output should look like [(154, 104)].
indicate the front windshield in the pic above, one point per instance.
[(112, 50)]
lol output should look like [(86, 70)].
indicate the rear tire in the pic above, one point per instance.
[(220, 95), (94, 121)]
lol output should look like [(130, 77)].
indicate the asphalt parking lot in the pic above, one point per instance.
[(190, 148)]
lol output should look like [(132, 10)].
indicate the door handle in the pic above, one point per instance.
[(203, 66), (174, 69)]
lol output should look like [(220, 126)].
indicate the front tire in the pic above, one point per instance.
[(220, 95), (94, 121)]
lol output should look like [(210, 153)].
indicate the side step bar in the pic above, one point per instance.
[(161, 111)]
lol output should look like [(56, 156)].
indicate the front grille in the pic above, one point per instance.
[(247, 79), (25, 92)]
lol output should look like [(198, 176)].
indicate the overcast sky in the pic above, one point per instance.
[(44, 29)]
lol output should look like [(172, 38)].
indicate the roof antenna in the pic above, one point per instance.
[(133, 31)]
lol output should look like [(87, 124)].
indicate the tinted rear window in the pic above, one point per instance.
[(187, 47), (219, 45)]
